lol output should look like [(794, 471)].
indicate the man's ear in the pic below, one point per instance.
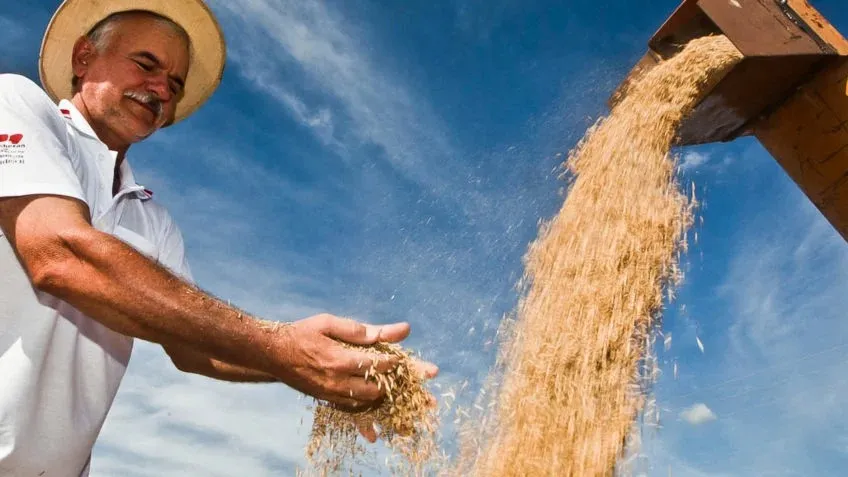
[(84, 52)]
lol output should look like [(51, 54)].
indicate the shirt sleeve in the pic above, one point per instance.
[(172, 251), (34, 152)]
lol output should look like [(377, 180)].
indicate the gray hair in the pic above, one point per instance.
[(102, 32)]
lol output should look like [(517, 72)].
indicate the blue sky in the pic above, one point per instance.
[(392, 160)]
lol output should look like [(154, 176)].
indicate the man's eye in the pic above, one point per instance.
[(144, 66)]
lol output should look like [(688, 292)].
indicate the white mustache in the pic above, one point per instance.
[(149, 99)]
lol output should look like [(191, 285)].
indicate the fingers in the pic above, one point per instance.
[(425, 369), (354, 332), (366, 392), (347, 330), (366, 429), (361, 363), (364, 424), (369, 394), (354, 393), (393, 333)]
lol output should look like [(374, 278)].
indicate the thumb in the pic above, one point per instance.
[(354, 332), (392, 333)]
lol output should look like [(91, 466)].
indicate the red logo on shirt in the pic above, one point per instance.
[(13, 138), (11, 149)]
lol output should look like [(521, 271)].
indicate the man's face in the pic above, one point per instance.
[(132, 87)]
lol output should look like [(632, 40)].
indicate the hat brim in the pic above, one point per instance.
[(75, 18)]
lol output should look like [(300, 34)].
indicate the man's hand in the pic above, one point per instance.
[(320, 366)]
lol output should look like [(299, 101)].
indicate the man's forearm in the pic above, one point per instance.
[(130, 294), (195, 362), (229, 372)]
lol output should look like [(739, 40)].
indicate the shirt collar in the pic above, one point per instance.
[(71, 112), (79, 122), (128, 181)]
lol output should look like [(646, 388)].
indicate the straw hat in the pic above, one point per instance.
[(76, 18)]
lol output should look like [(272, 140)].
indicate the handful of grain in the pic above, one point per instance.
[(406, 420)]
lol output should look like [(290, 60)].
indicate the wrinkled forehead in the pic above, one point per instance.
[(140, 32)]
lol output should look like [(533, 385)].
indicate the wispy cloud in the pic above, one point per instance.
[(168, 423), (780, 361), (315, 67), (697, 161), (786, 282)]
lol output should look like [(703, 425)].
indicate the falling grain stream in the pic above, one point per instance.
[(596, 279)]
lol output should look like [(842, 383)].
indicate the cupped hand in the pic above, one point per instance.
[(313, 360)]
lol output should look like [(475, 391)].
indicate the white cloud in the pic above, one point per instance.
[(696, 161), (698, 414), (693, 160)]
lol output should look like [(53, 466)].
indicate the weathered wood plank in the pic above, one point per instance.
[(808, 136)]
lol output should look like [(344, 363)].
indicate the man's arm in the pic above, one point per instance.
[(190, 361), (112, 283)]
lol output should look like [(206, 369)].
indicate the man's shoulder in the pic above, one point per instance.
[(19, 92), (12, 84)]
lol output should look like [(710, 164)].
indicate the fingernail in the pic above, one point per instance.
[(372, 332), (431, 371)]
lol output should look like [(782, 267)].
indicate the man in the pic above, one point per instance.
[(88, 261)]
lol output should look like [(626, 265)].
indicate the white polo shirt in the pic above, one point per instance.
[(59, 369)]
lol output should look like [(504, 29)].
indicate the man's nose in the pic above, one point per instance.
[(160, 87)]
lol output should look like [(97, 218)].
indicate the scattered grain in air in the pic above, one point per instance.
[(574, 370)]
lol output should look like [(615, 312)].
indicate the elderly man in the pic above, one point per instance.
[(89, 261)]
